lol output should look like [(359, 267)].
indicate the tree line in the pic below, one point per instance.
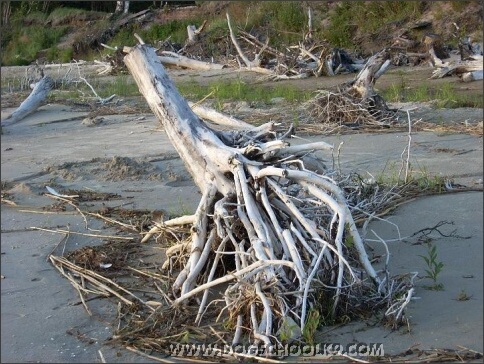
[(26, 7)]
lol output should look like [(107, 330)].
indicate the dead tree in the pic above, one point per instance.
[(41, 90), (285, 229), (253, 65), (469, 67), (309, 34), (364, 82)]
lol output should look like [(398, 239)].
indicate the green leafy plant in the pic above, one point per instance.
[(434, 267), (312, 323), (288, 327)]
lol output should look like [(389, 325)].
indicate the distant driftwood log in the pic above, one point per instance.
[(31, 103)]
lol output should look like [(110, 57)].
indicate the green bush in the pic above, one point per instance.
[(283, 21), (125, 37), (339, 32), (176, 30), (35, 17)]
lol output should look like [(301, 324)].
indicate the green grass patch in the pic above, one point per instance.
[(59, 55), (284, 22), (122, 86), (176, 30), (124, 37), (394, 174), (35, 17), (238, 90), (444, 96)]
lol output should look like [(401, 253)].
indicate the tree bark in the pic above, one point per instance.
[(472, 76), (219, 118), (121, 7), (6, 12), (309, 34), (32, 102)]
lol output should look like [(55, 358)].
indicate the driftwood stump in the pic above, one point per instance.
[(281, 236), (356, 103)]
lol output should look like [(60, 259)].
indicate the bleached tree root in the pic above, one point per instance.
[(286, 232)]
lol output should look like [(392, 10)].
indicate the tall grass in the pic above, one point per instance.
[(122, 85)]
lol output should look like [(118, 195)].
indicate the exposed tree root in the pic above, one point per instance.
[(277, 238)]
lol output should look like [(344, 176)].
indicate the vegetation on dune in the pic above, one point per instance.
[(37, 29)]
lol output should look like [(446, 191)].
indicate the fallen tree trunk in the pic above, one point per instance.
[(257, 211), (32, 102), (472, 76), (174, 59), (473, 64)]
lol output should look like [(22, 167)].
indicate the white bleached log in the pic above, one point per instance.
[(32, 102), (174, 59)]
